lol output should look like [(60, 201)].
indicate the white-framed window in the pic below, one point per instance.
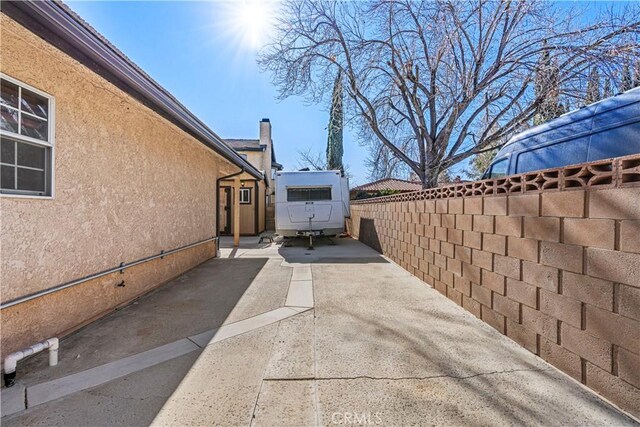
[(26, 140), (245, 196)]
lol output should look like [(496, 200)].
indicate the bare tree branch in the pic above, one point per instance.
[(432, 83)]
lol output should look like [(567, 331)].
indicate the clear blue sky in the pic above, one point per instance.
[(195, 52)]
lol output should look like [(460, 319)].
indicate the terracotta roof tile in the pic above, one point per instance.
[(389, 184)]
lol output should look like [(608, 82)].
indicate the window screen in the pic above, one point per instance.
[(308, 194), (23, 167)]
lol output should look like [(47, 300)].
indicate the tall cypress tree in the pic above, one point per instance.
[(336, 119), (547, 89), (626, 79), (540, 84), (607, 91), (593, 86)]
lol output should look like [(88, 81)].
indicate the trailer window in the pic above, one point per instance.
[(308, 194)]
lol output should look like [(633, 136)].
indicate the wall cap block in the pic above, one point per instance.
[(617, 172)]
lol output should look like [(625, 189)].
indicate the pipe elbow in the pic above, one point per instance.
[(54, 343), (11, 361)]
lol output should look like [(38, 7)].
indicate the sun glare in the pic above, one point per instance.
[(251, 21)]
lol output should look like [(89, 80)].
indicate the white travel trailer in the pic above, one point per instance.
[(311, 203)]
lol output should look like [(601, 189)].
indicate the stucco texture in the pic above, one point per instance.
[(128, 184), (256, 158)]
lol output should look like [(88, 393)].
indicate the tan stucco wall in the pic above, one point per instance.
[(254, 157), (128, 184), (65, 311)]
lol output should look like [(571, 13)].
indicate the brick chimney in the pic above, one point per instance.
[(265, 140)]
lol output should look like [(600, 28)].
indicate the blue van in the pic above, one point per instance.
[(604, 129)]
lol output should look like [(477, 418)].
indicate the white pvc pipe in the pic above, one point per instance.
[(11, 360), (53, 353)]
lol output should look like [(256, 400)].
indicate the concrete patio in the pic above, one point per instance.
[(268, 335)]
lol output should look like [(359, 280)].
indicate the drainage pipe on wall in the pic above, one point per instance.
[(119, 268), (11, 361)]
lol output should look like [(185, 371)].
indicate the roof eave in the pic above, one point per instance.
[(252, 149), (56, 19)]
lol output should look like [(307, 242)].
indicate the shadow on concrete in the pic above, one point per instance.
[(246, 242), (197, 301), (338, 250), (351, 260), (335, 250), (200, 300)]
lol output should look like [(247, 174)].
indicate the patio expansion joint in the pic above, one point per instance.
[(199, 346), (264, 370), (316, 397)]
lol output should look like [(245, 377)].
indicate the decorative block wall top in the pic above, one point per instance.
[(610, 173)]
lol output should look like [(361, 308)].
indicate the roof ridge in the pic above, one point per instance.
[(405, 180)]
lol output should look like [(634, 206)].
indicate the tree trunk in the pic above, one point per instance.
[(429, 179)]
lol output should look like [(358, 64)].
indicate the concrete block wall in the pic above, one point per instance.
[(555, 269)]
